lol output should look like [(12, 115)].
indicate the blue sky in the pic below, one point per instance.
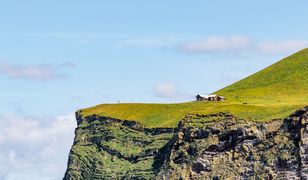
[(58, 56)]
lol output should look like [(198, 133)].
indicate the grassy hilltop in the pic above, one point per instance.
[(273, 92)]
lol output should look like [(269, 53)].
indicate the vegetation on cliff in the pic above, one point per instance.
[(271, 93), (108, 148), (221, 146), (212, 146)]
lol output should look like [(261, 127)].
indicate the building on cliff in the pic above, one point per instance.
[(211, 97)]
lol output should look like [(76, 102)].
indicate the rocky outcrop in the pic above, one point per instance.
[(221, 146), (109, 148), (216, 146)]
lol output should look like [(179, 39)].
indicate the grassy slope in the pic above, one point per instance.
[(274, 92)]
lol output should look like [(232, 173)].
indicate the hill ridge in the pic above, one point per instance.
[(289, 75), (271, 93)]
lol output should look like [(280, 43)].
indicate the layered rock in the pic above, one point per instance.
[(108, 148), (216, 146), (221, 146)]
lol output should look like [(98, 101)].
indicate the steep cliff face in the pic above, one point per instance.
[(107, 148), (221, 146), (216, 146)]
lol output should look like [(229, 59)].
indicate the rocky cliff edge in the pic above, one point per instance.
[(216, 146)]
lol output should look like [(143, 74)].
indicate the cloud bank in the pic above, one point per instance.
[(32, 148), (35, 72), (240, 45)]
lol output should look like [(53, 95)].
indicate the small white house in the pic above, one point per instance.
[(201, 97), (211, 97)]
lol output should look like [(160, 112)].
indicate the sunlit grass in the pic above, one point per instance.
[(274, 92)]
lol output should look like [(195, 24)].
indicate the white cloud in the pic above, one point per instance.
[(31, 146), (168, 90), (217, 45), (233, 45), (241, 45), (165, 90), (36, 72), (282, 47)]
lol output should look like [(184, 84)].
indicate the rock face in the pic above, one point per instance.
[(108, 148), (216, 146)]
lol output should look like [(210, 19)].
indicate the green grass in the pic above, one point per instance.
[(274, 92)]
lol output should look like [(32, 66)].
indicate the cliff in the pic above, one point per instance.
[(108, 148), (215, 146)]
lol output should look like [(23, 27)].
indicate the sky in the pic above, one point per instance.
[(60, 56)]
